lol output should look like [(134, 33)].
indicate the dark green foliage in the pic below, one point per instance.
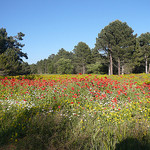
[(133, 144), (82, 56), (95, 56), (117, 42), (25, 68), (55, 64), (33, 68), (64, 66), (10, 62), (144, 49), (62, 53), (11, 54), (96, 68)]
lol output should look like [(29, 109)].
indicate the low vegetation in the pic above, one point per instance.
[(75, 112)]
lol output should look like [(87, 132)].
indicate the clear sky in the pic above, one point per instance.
[(50, 25)]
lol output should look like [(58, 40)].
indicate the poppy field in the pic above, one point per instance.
[(72, 112)]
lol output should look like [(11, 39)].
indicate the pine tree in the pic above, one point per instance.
[(11, 52), (144, 40), (82, 54), (117, 42)]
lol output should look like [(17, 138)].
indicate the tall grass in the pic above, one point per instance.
[(72, 112)]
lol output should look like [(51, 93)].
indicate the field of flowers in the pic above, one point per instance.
[(72, 112)]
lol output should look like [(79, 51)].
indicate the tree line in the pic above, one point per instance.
[(117, 51)]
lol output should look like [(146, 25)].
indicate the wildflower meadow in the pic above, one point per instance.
[(73, 112)]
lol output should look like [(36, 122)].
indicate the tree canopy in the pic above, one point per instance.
[(117, 41), (82, 54), (144, 43), (11, 53)]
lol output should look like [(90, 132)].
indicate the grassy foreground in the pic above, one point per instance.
[(73, 112)]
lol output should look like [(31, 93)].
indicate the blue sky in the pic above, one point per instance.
[(50, 25)]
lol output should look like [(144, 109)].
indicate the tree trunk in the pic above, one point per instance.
[(109, 69), (111, 65), (146, 65), (119, 66), (122, 69)]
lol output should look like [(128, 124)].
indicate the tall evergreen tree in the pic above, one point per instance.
[(25, 68), (137, 61), (40, 67), (11, 52), (95, 56), (144, 40), (117, 41), (33, 68), (62, 53), (82, 55)]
